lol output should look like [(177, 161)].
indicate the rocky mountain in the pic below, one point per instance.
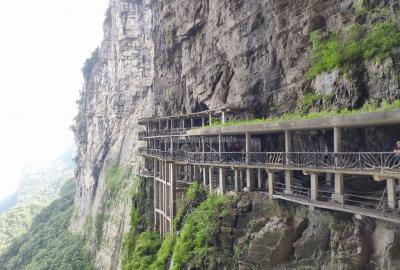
[(260, 57)]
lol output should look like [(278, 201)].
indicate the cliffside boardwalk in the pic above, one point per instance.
[(262, 157)]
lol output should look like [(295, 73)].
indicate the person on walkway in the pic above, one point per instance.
[(397, 148)]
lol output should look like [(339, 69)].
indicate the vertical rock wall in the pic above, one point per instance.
[(254, 55), (250, 55), (116, 93)]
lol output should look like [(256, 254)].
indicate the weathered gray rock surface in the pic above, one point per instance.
[(117, 92), (268, 235)]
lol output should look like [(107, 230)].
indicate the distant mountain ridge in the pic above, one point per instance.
[(39, 186), (8, 202)]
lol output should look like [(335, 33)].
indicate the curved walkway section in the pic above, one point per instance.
[(364, 163)]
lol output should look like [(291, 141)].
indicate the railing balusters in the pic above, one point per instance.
[(370, 163)]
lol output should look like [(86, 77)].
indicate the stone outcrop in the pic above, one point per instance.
[(270, 235)]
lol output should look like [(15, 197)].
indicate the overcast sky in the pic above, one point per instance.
[(43, 46)]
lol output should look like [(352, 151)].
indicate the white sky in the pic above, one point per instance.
[(43, 45)]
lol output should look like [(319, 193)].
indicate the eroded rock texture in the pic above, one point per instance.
[(117, 92), (260, 234), (254, 55)]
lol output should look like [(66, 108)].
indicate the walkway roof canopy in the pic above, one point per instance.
[(345, 121), (145, 121)]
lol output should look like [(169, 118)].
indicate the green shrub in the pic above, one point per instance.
[(146, 248), (351, 50), (325, 53), (195, 191), (139, 223), (381, 40), (164, 253), (194, 195), (308, 101), (197, 239), (359, 7), (345, 49)]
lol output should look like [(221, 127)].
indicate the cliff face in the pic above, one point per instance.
[(117, 92), (163, 57), (216, 53), (260, 234), (254, 55)]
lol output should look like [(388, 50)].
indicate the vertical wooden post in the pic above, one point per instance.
[(391, 192), (205, 176), (339, 181), (173, 193), (210, 179), (222, 180), (236, 180), (271, 181), (248, 170), (259, 180), (288, 173), (314, 186)]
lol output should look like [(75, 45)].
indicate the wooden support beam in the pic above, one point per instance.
[(288, 174), (259, 179), (339, 181), (249, 186), (210, 179), (223, 117), (271, 181), (391, 192), (236, 179), (222, 180), (205, 176), (173, 171), (314, 186)]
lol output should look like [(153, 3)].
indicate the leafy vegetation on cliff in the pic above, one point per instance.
[(48, 244), (141, 216), (194, 244), (346, 49), (117, 190)]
